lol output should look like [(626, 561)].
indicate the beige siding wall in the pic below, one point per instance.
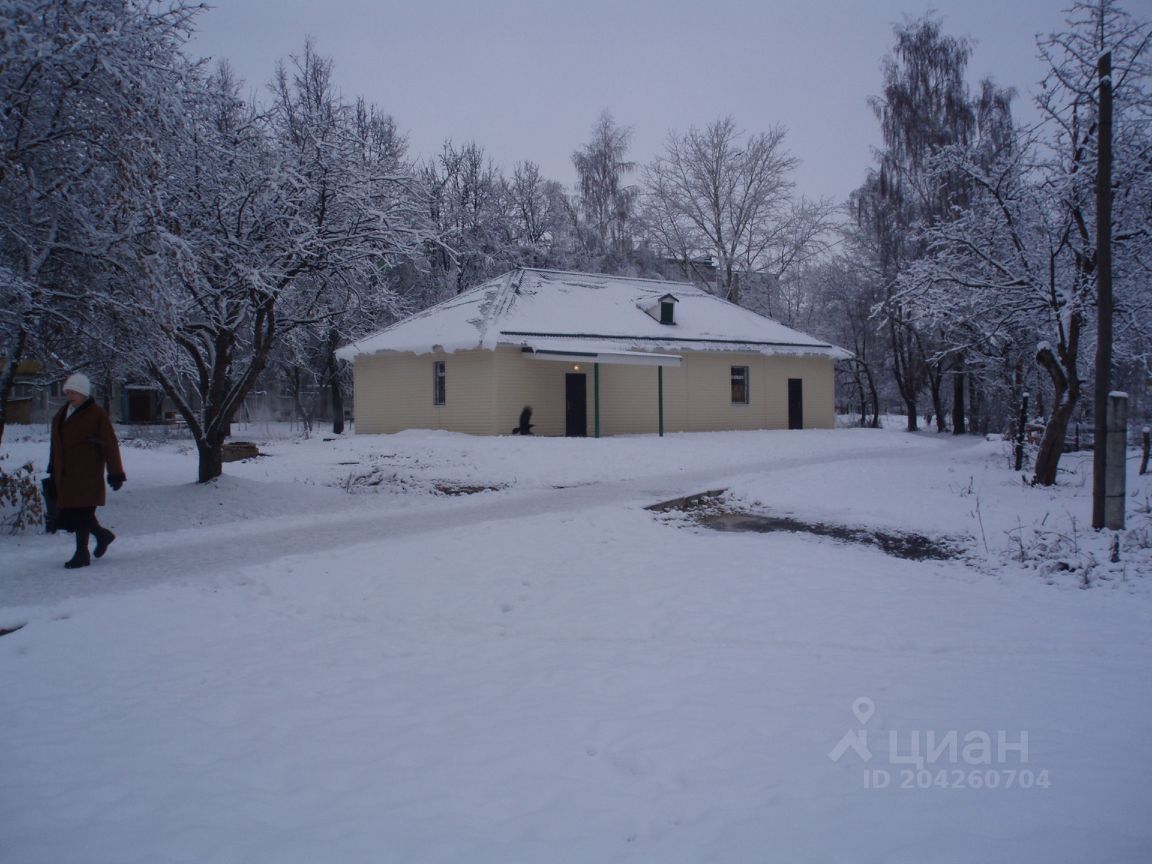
[(539, 383), (630, 400), (487, 390), (819, 389), (628, 395), (395, 392), (710, 403), (710, 393)]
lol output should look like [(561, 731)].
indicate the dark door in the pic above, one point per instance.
[(140, 404), (795, 403), (576, 404)]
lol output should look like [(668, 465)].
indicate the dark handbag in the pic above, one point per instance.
[(48, 489)]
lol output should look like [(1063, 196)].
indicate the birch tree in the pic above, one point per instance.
[(924, 107), (606, 201)]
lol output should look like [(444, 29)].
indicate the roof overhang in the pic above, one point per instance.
[(631, 345), (620, 358)]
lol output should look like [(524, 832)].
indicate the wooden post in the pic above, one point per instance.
[(1100, 471), (1117, 445), (1020, 432), (1144, 450)]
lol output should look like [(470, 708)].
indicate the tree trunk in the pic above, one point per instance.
[(959, 419), (875, 397), (913, 415), (301, 411), (1052, 444), (1103, 289), (337, 406), (211, 453), (8, 378), (936, 388), (334, 383), (106, 400), (861, 397), (1066, 387), (977, 415), (902, 361)]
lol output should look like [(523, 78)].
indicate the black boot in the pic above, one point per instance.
[(104, 539), (80, 559)]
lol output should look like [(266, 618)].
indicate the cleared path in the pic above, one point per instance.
[(37, 577)]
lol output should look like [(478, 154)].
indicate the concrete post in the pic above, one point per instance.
[(1117, 445)]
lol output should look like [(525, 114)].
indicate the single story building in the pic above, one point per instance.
[(592, 355), (37, 395)]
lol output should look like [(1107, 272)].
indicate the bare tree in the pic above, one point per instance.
[(261, 213), (470, 211), (87, 89), (846, 290), (334, 305), (530, 202), (718, 192), (1017, 264), (1084, 156)]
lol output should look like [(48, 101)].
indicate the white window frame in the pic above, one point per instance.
[(439, 383), (732, 378)]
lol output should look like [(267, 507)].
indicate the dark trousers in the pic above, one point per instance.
[(80, 521), (76, 519)]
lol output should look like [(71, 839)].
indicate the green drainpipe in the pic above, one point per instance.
[(596, 396), (660, 395)]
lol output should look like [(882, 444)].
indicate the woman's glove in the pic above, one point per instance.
[(116, 481)]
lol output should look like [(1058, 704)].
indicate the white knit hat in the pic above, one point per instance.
[(78, 383)]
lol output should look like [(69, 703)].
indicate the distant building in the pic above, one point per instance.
[(592, 355), (37, 396)]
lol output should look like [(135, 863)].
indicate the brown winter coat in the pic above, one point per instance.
[(82, 445)]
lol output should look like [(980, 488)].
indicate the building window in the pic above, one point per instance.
[(739, 385), (438, 383)]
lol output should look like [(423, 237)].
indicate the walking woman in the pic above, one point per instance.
[(83, 443)]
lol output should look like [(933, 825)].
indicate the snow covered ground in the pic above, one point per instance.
[(323, 656)]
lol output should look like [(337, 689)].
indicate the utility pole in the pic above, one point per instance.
[(1103, 289)]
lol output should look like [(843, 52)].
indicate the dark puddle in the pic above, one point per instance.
[(706, 508), (453, 489), (916, 547)]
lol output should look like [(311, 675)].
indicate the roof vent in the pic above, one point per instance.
[(668, 309)]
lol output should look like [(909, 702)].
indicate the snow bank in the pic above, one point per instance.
[(556, 674)]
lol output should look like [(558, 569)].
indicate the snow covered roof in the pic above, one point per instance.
[(590, 313)]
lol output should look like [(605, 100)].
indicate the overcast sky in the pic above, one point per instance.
[(527, 80)]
